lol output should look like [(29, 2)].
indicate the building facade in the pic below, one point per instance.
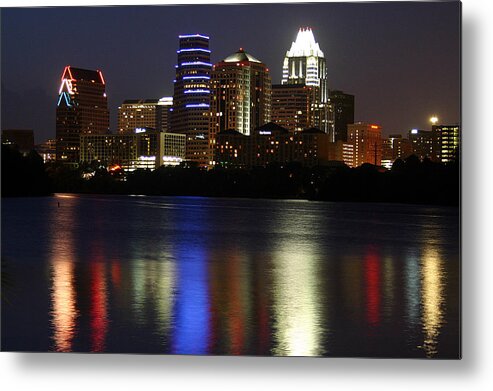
[(82, 108), (191, 98), (304, 64), (367, 143), (292, 106)]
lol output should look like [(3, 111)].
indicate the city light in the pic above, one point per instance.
[(196, 63), (196, 92), (193, 36), (193, 50), (192, 105), (434, 119), (196, 77)]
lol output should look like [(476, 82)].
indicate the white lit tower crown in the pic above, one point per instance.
[(191, 98), (304, 64)]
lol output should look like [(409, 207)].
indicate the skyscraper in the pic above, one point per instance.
[(304, 64), (343, 106), (82, 108), (191, 96), (241, 95)]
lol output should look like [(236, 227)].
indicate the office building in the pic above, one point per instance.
[(422, 143), (144, 148), (241, 95), (144, 113), (367, 143), (446, 139), (343, 106), (304, 64), (292, 106), (82, 108), (191, 98)]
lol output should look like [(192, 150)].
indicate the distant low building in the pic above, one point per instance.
[(47, 150), (19, 139), (144, 148), (269, 144), (395, 147)]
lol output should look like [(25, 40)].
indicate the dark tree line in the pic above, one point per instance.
[(409, 181), (23, 175)]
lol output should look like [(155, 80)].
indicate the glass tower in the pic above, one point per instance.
[(191, 98)]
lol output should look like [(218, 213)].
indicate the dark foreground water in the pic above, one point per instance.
[(184, 275)]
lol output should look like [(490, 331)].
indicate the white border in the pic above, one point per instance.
[(474, 372)]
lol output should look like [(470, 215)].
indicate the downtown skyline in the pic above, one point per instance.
[(401, 63)]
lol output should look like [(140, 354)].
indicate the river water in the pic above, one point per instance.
[(191, 275)]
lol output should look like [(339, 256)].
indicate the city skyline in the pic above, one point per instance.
[(426, 86)]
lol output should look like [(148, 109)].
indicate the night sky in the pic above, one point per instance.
[(400, 60)]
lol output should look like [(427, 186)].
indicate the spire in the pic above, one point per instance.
[(305, 45)]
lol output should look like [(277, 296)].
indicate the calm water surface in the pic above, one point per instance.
[(185, 275)]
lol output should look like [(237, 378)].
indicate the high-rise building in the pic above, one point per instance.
[(446, 140), (422, 143), (144, 113), (82, 108), (367, 143), (304, 64), (292, 106), (241, 95), (191, 98), (343, 107)]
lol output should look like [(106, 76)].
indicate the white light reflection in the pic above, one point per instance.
[(296, 303), (432, 299)]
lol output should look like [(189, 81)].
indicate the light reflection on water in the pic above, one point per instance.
[(432, 299), (296, 303), (64, 310), (202, 276)]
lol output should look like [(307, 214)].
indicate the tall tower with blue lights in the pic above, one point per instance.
[(191, 98)]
